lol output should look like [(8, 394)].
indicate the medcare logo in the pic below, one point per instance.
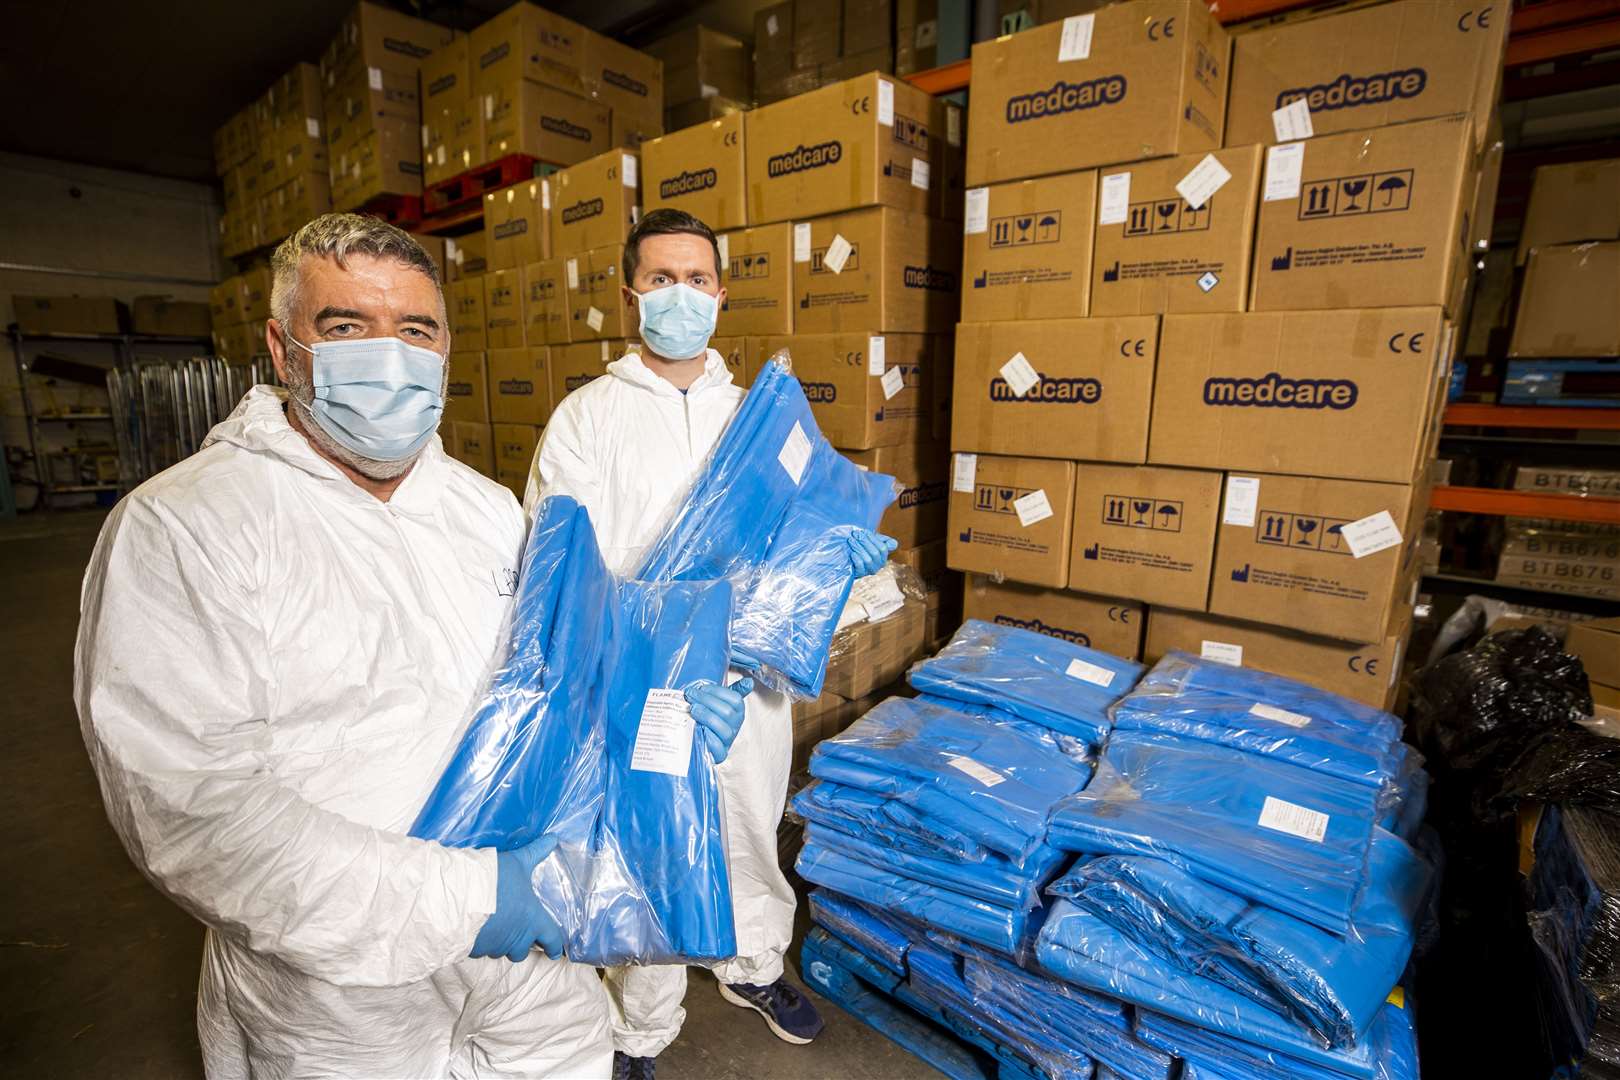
[(930, 491), (1348, 91), (1080, 390), (524, 387), (819, 393), (559, 126), (1064, 97), (624, 82), (687, 183), (1276, 391), (927, 277), (508, 229), (804, 157), (1075, 637), (585, 208)]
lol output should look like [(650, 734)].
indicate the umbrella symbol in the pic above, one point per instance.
[(1306, 526), (1353, 188), (1389, 187), (1337, 532), (1167, 511), (1048, 223), (1141, 507)]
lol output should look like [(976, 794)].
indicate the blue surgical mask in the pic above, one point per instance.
[(677, 321), (379, 397)]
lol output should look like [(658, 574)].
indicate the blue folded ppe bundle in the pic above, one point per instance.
[(1334, 984), (881, 936), (1391, 1045), (1046, 680), (974, 774), (772, 512), (639, 874), (1292, 838), (884, 821), (1075, 749), (994, 879)]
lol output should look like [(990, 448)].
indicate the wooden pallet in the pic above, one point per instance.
[(402, 210), (459, 194)]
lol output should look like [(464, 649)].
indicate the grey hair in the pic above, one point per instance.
[(336, 237)]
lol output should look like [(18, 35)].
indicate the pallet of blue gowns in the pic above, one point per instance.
[(583, 733), (1048, 681), (885, 821), (772, 512), (1293, 838), (1392, 1050)]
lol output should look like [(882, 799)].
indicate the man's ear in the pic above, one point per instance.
[(630, 300), (275, 339)]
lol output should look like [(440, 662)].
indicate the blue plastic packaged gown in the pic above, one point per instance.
[(1072, 747), (1391, 1044), (772, 512), (1046, 680), (994, 879), (973, 773), (880, 936), (1293, 838), (639, 874), (884, 821)]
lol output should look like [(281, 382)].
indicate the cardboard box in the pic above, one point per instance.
[(166, 315), (504, 321), (1011, 517), (522, 117), (1377, 220), (1380, 65), (680, 117), (464, 300), (1570, 303), (514, 455), (1282, 559), (1162, 255), (870, 655), (596, 307), (771, 91), (434, 247), (737, 355), (868, 26), (526, 42), (1092, 399), (1095, 622), (853, 144), (372, 35), (1597, 643), (545, 302), (595, 203), (923, 472), (1291, 391), (240, 342), (700, 63), (916, 36), (758, 279), (1138, 93), (466, 395), (699, 170), (1027, 249), (817, 33), (447, 76), (626, 80), (519, 386), (851, 404), (1571, 204), (773, 42), (466, 256), (386, 161), (471, 444), (224, 302), (361, 100), (1145, 532), (630, 133), (900, 272), (572, 366), (517, 225), (1367, 673), (452, 139)]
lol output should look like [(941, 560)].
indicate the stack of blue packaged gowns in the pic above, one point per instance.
[(1391, 1039), (1045, 680), (772, 512)]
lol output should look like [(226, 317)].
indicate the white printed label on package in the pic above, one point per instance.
[(1033, 508), (984, 774), (801, 242), (1293, 121), (705, 91), (1200, 185), (837, 254), (1295, 820), (885, 103), (875, 364), (953, 123), (1085, 671), (1208, 281), (1115, 204), (1371, 534), (664, 737), (427, 136), (313, 126), (1221, 652), (795, 453), (878, 594), (1284, 165), (573, 273), (374, 76), (964, 472), (627, 169), (919, 173), (593, 319), (1282, 716), (1075, 44), (976, 211), (545, 194), (1020, 374), (606, 353), (894, 381), (771, 26), (1242, 500), (723, 241)]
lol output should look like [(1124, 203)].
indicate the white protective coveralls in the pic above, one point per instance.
[(628, 446), (272, 669)]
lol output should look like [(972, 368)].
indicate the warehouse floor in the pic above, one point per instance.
[(101, 970)]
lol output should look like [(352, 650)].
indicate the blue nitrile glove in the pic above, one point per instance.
[(519, 922), (719, 710), (868, 551)]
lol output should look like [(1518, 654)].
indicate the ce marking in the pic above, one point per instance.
[(1363, 666), (1471, 19), (1414, 342), (1138, 347), (1119, 614), (1158, 31), (861, 105)]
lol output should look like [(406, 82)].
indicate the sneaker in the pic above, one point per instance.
[(626, 1067), (790, 1015)]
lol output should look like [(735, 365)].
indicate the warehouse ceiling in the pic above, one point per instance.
[(143, 86)]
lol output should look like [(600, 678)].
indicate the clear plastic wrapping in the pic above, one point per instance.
[(772, 512), (882, 820), (591, 665), (871, 931), (994, 879), (1206, 1055)]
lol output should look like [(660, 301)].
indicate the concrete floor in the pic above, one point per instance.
[(100, 970)]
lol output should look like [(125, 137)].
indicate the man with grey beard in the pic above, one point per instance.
[(280, 637)]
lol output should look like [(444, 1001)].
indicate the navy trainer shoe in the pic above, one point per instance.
[(789, 1014), (626, 1067)]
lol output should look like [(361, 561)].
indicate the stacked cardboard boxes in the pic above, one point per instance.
[(804, 44), (272, 161), (707, 75), (238, 308)]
